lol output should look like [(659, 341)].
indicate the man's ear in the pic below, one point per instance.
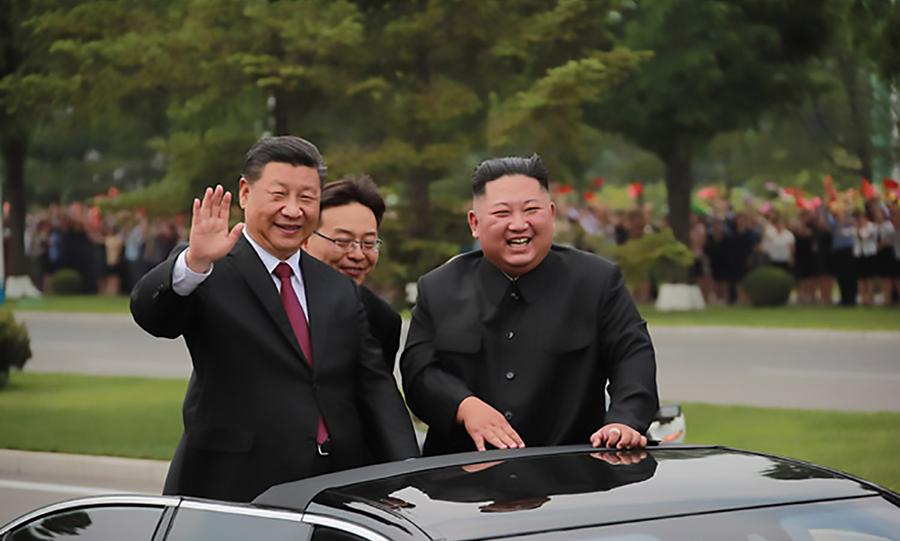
[(243, 192), (553, 211), (473, 224)]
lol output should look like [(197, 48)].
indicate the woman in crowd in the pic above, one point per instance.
[(778, 243), (865, 250), (884, 257)]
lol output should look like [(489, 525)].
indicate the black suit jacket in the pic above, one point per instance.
[(539, 350), (384, 324), (251, 409)]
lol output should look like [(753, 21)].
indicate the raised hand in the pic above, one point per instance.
[(486, 425), (210, 239)]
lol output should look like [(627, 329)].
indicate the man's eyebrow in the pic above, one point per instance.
[(348, 232)]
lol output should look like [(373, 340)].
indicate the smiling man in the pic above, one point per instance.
[(287, 382), (512, 345), (347, 239)]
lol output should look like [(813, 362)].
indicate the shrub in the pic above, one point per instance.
[(768, 286), (658, 255), (66, 282), (15, 345)]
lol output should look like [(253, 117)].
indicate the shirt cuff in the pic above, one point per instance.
[(184, 280)]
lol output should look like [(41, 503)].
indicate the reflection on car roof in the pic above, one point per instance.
[(470, 495)]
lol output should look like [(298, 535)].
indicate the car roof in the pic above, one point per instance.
[(470, 495)]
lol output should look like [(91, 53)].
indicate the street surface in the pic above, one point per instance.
[(836, 370), (20, 494), (851, 371)]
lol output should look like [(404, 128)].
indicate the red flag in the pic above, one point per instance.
[(796, 192), (113, 192), (635, 190), (890, 184), (829, 189), (564, 189), (590, 196), (598, 182), (708, 193), (867, 190)]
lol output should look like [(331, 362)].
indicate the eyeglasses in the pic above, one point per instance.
[(348, 245)]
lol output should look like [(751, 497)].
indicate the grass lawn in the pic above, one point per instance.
[(796, 317), (863, 444), (96, 304), (93, 415), (139, 417)]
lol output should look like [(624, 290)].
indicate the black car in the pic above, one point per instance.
[(574, 493)]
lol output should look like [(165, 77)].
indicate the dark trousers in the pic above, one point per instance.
[(844, 268)]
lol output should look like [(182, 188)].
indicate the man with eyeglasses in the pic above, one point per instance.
[(347, 239)]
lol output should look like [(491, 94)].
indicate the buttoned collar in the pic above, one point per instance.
[(270, 261), (531, 285)]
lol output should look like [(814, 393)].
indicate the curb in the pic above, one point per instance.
[(83, 466)]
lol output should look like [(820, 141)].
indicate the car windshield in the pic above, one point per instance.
[(862, 519)]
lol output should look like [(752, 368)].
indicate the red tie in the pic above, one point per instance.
[(301, 329)]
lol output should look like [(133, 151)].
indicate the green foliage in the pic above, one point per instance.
[(15, 345), (66, 282), (768, 286), (658, 255)]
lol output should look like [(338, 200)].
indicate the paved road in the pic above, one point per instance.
[(852, 371), (20, 494)]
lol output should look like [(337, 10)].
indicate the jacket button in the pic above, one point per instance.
[(510, 375), (510, 335), (508, 415)]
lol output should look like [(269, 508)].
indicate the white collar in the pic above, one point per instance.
[(270, 261)]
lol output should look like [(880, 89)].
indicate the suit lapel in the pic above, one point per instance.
[(318, 303), (254, 272)]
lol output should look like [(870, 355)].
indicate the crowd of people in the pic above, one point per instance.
[(849, 243), (853, 242), (110, 250)]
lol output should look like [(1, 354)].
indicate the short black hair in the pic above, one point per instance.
[(354, 189), (494, 168), (283, 149)]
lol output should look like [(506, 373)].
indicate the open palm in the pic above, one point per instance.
[(210, 238)]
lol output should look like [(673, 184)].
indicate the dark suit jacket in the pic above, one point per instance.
[(384, 324), (539, 350), (252, 407)]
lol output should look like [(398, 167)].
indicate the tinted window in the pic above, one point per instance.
[(93, 524), (197, 525), (867, 519), (323, 533)]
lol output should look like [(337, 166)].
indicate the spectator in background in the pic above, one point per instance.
[(806, 259), (114, 244), (743, 247), (718, 245), (843, 264), (865, 250), (884, 259), (778, 243), (135, 246)]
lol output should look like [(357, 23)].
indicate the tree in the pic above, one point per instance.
[(716, 66), (29, 93)]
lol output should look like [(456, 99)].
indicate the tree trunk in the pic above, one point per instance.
[(859, 95), (421, 203), (15, 145), (678, 185)]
